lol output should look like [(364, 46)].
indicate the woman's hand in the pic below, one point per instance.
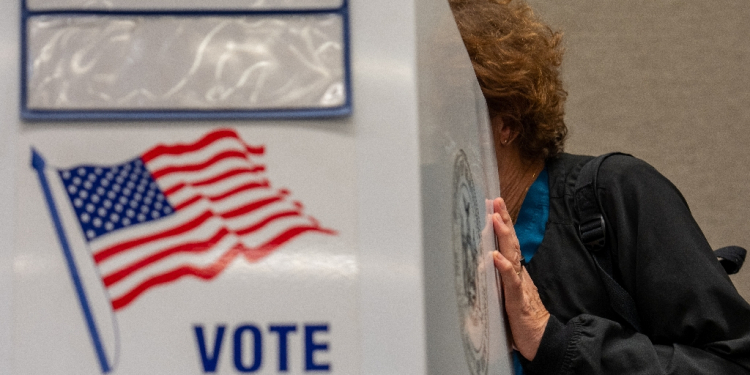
[(526, 314)]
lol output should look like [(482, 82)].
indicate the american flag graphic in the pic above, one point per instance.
[(181, 210)]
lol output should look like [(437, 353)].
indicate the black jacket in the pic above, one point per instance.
[(693, 319)]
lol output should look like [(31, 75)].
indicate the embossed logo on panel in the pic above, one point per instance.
[(471, 287)]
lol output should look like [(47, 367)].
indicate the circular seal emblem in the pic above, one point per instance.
[(471, 284)]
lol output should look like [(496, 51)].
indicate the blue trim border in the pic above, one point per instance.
[(185, 114)]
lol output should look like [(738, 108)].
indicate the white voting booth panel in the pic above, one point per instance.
[(247, 187)]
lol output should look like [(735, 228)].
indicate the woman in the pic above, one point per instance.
[(693, 321)]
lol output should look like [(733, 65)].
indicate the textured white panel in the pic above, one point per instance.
[(181, 4), (132, 63), (463, 308)]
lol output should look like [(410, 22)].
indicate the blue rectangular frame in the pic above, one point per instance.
[(177, 114)]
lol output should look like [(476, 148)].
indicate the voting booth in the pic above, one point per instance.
[(279, 186)]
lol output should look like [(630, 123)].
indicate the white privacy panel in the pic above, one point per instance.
[(183, 4), (459, 180)]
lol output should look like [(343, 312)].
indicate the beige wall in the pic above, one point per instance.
[(668, 82)]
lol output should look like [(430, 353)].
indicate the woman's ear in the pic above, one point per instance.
[(504, 135)]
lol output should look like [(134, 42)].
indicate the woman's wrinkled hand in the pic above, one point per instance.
[(526, 314)]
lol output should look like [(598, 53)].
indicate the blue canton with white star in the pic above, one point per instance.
[(106, 199)]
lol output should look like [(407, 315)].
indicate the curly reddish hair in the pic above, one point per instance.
[(517, 58)]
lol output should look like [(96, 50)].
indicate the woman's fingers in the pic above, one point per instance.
[(506, 235), (526, 313), (497, 204), (505, 267)]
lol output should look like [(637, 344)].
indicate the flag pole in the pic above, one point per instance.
[(38, 163)]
